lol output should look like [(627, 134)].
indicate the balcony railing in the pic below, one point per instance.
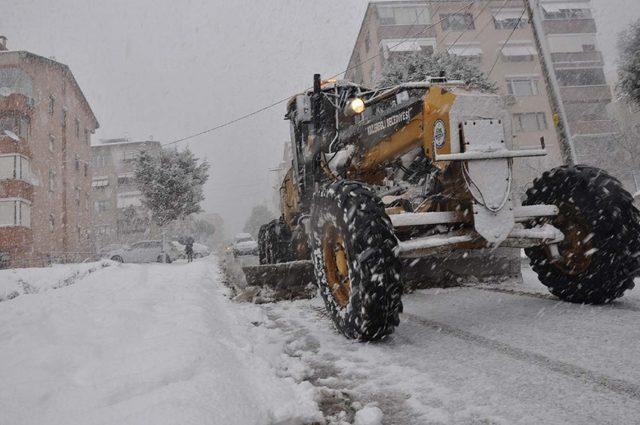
[(577, 59), (593, 127), (569, 26), (585, 93), (16, 102)]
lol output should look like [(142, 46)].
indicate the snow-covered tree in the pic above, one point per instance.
[(629, 63), (171, 183), (419, 66), (260, 215)]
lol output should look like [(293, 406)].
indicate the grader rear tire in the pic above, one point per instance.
[(602, 235), (274, 240), (354, 251)]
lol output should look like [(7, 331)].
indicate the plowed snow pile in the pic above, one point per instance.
[(142, 344)]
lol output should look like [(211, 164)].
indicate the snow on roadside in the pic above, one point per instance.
[(15, 282), (146, 344)]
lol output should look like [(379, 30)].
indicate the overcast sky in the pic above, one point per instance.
[(168, 69)]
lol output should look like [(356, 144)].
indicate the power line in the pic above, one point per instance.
[(278, 102), (515, 27)]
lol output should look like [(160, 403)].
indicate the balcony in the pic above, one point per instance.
[(597, 93), (16, 189), (569, 26), (15, 244), (10, 145), (583, 128), (16, 102), (577, 59)]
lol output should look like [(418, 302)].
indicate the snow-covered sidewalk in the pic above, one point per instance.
[(143, 344)]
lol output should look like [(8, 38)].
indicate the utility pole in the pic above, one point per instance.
[(560, 121)]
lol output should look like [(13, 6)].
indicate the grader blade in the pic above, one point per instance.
[(288, 280)]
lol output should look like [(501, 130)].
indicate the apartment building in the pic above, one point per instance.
[(45, 175), (119, 216), (497, 37), (570, 34)]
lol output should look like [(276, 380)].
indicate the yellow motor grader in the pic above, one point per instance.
[(423, 168)]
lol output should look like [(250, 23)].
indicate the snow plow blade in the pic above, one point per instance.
[(288, 280)]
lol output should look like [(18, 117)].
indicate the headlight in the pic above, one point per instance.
[(355, 107)]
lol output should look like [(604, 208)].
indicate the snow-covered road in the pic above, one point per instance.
[(161, 344)]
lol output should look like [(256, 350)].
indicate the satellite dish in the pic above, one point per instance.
[(5, 91)]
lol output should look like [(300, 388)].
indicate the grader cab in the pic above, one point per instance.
[(423, 168)]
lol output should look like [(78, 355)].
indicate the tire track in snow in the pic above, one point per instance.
[(616, 305), (618, 386)]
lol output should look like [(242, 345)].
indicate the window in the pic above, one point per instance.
[(52, 181), (52, 104), (77, 196), (100, 182), (395, 46), (17, 124), (126, 179), (522, 86), (466, 50), (129, 199), (103, 230), (52, 143), (129, 155), (15, 212), (87, 137), (581, 77), (509, 19), (52, 222), (457, 21), (530, 121), (14, 167), (367, 43), (64, 118), (77, 122), (76, 162), (101, 206), (519, 52), (16, 80), (99, 161), (404, 15), (86, 169)]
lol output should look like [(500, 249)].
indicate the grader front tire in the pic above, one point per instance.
[(354, 251), (598, 257)]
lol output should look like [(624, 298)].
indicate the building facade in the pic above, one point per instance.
[(119, 216), (45, 156), (571, 39), (497, 37)]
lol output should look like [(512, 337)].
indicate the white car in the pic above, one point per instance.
[(244, 244), (143, 252), (199, 250)]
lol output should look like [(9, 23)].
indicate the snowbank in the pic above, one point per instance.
[(15, 282), (144, 344)]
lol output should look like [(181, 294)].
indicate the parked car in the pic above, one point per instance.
[(199, 250), (143, 252), (244, 244)]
